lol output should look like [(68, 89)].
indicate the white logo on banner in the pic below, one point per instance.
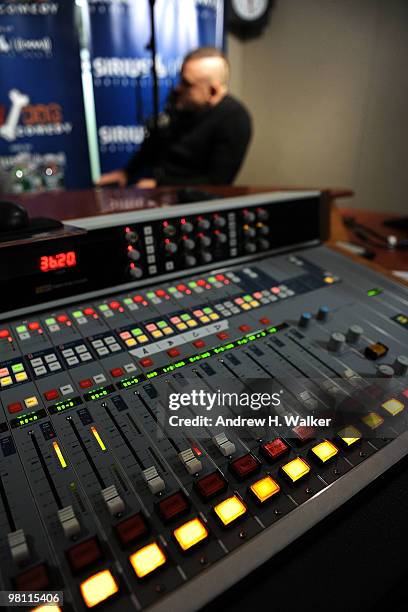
[(29, 8), (5, 47), (26, 45), (116, 135), (9, 128)]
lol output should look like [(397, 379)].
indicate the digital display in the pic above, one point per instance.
[(60, 261)]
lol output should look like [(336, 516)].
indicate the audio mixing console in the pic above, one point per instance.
[(99, 500)]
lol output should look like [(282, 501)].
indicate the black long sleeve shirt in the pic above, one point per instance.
[(205, 147)]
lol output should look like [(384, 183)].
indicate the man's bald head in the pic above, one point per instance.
[(204, 79)]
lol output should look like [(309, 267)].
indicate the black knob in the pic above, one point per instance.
[(190, 260), (249, 232), (206, 257), (169, 230), (263, 230), (187, 227), (221, 237), (131, 237), (203, 224), (262, 214), (263, 244), (134, 255), (250, 247), (249, 216), (220, 222), (171, 248), (188, 244), (205, 241)]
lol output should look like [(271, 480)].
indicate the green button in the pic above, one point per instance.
[(127, 301), (21, 329), (248, 298), (192, 284), (50, 321), (212, 279), (77, 314), (137, 331), (207, 310), (103, 307), (17, 367), (172, 289), (150, 295), (185, 317), (161, 324)]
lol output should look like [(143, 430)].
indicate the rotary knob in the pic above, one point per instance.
[(206, 257), (134, 255), (264, 244), (169, 230), (135, 273), (323, 313), (250, 247), (205, 241), (220, 222), (305, 319), (171, 248), (336, 342), (385, 371), (221, 237), (131, 237), (249, 216), (249, 232), (189, 244), (262, 214), (263, 230), (203, 224), (354, 334), (187, 227), (190, 261), (401, 365)]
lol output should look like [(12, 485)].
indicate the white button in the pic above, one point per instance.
[(50, 358), (99, 378), (86, 357), (103, 351), (109, 340), (54, 366), (72, 361), (97, 343), (37, 362), (40, 371), (81, 349), (68, 353), (66, 390), (115, 347)]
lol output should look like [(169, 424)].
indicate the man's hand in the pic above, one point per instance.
[(146, 183), (117, 176)]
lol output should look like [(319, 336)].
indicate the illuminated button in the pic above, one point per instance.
[(14, 407), (89, 311), (21, 377), (274, 449), (125, 335), (117, 372), (275, 290), (34, 326), (47, 608), (99, 588), (143, 339), (84, 554), (329, 280), (181, 326), (205, 319), (160, 293), (244, 466), (199, 343), (4, 333), (230, 510), (295, 470), (254, 303), (393, 406), (136, 331), (62, 318), (151, 327), (17, 368), (147, 560), (348, 436), (214, 316), (190, 534), (211, 485), (223, 336), (372, 420), (131, 529), (265, 321), (34, 579), (138, 299), (114, 305), (156, 334), (31, 402), (173, 352), (173, 506), (264, 489), (175, 320), (246, 306), (6, 381), (130, 342), (146, 362), (324, 452), (375, 351), (51, 395), (4, 372), (245, 328), (86, 383), (167, 331), (192, 323)]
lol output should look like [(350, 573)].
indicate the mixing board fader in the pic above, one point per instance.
[(103, 500)]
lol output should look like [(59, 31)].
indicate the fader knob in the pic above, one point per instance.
[(190, 261), (262, 214), (305, 319), (385, 371), (354, 334), (323, 313), (401, 365), (336, 342)]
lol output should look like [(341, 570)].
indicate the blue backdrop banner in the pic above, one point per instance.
[(121, 63), (43, 140)]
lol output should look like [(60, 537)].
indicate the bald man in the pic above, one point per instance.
[(203, 137)]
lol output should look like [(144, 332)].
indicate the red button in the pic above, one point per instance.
[(245, 328), (4, 333), (181, 287), (201, 282), (131, 529), (199, 343), (34, 579), (223, 336), (51, 395), (209, 486), (303, 433), (34, 325), (88, 311), (84, 554), (138, 298), (173, 506), (274, 449), (219, 277), (146, 362), (405, 393), (160, 293), (173, 352), (86, 383), (15, 407), (62, 318), (114, 305), (117, 372), (265, 321), (244, 466)]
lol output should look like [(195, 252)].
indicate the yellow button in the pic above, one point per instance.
[(296, 469), (98, 588), (142, 339), (192, 323), (329, 279), (349, 435), (393, 406), (147, 559), (214, 316), (181, 326), (157, 334), (254, 303), (372, 420), (264, 489), (325, 451), (21, 377), (6, 381), (47, 608), (131, 342), (190, 534), (167, 331), (31, 402), (246, 306), (205, 319), (230, 510)]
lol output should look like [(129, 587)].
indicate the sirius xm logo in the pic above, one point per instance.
[(35, 7), (115, 138), (22, 119), (32, 47)]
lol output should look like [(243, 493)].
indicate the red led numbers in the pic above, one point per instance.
[(58, 261)]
